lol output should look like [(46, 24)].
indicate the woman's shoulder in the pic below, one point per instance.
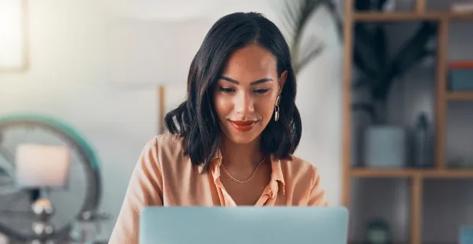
[(297, 166), (166, 149), (168, 139), (162, 145), (166, 144)]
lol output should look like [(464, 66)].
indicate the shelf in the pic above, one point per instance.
[(409, 16), (449, 173), (419, 192), (393, 16), (460, 16), (410, 172), (460, 96), (375, 173)]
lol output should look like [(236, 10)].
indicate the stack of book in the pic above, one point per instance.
[(461, 75), (462, 7)]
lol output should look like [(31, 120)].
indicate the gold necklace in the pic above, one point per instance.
[(252, 175)]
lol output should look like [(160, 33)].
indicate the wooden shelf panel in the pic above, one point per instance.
[(449, 173), (410, 16), (381, 173), (394, 16), (460, 16), (460, 96), (410, 172)]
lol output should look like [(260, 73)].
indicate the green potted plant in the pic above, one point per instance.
[(376, 72)]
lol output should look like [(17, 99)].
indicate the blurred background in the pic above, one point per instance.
[(385, 91)]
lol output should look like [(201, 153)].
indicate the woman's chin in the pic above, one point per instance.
[(243, 138)]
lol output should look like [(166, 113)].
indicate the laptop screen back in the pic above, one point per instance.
[(275, 225)]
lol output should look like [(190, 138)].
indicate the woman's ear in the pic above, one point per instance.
[(282, 80)]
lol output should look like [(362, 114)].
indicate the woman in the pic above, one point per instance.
[(231, 141)]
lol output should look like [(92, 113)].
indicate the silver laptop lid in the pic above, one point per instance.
[(275, 225)]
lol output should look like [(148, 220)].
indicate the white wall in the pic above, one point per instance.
[(75, 76)]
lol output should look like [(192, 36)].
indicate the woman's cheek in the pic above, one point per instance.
[(222, 105)]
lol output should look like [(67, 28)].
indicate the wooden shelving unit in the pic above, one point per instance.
[(416, 177)]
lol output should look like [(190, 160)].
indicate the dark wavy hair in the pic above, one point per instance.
[(195, 119)]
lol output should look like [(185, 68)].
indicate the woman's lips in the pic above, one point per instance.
[(243, 125)]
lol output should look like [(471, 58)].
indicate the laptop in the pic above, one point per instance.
[(243, 225)]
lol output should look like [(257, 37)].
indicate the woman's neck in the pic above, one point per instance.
[(241, 157)]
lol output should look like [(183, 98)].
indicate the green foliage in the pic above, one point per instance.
[(378, 70), (297, 14)]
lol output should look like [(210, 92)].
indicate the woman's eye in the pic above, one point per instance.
[(261, 91), (226, 89)]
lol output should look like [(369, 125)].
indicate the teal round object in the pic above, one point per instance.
[(85, 155)]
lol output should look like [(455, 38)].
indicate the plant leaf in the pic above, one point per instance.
[(366, 56), (308, 55)]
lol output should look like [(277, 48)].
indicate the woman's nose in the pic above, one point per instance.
[(244, 103)]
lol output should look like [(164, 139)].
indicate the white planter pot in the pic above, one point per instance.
[(385, 147)]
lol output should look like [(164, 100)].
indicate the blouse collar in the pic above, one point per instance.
[(276, 171)]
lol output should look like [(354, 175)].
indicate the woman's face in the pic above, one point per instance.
[(245, 95)]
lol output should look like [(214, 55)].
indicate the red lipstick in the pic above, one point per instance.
[(243, 125)]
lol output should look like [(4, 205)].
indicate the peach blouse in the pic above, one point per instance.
[(164, 176)]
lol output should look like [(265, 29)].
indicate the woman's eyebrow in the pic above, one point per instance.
[(252, 83)]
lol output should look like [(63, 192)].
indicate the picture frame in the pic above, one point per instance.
[(14, 56), (169, 96)]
